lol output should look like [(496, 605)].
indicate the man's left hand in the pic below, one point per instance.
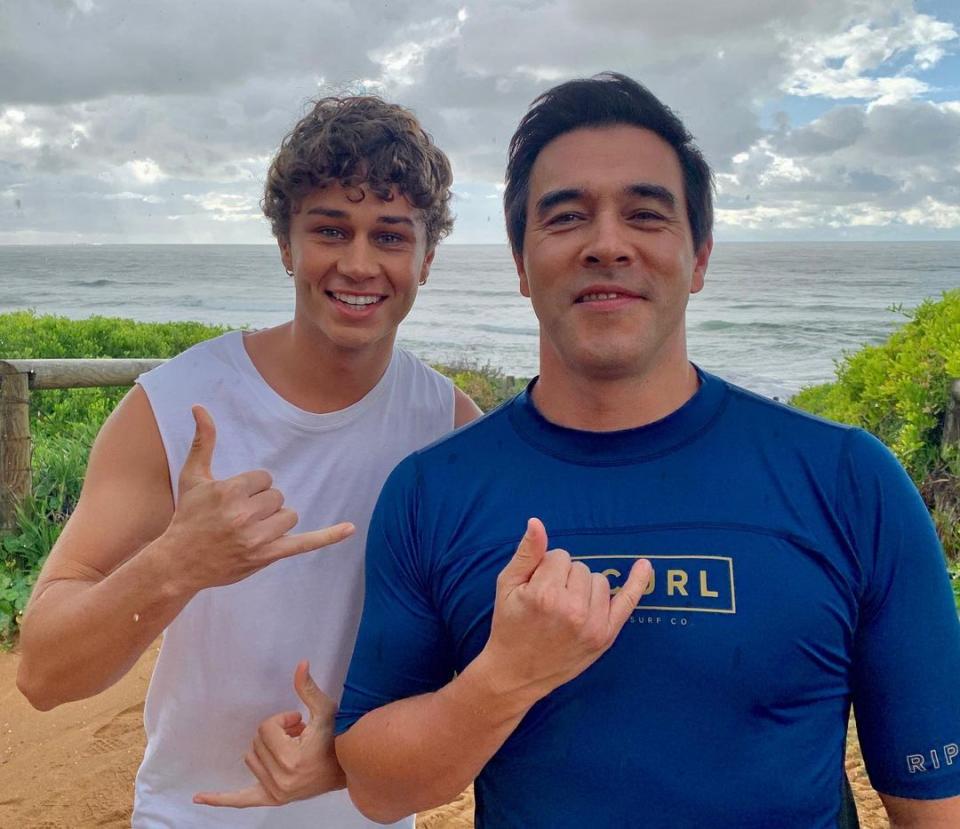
[(291, 760)]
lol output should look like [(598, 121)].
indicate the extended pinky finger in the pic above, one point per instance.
[(293, 545)]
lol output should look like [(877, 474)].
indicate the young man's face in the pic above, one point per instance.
[(356, 264), (608, 259)]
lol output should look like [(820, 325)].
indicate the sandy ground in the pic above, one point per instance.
[(73, 767)]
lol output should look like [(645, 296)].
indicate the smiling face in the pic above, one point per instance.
[(608, 259), (356, 264)]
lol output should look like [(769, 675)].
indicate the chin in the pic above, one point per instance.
[(605, 364)]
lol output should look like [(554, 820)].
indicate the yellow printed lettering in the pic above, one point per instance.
[(705, 591), (616, 574), (676, 581)]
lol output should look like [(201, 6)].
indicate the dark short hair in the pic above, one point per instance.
[(607, 99), (360, 140)]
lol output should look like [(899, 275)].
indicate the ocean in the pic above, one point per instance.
[(773, 317)]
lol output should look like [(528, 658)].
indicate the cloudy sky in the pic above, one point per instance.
[(134, 121)]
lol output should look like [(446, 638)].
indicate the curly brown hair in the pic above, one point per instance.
[(361, 140)]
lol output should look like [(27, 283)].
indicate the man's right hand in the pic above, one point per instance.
[(553, 617), (224, 531)]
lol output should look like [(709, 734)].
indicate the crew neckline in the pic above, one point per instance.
[(623, 446), (278, 405)]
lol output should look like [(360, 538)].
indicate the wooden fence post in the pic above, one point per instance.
[(15, 478)]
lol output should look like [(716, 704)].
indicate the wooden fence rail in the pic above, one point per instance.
[(19, 377)]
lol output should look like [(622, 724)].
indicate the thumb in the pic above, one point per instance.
[(530, 552), (318, 703), (196, 467)]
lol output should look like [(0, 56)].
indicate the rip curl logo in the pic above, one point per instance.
[(934, 759), (700, 584)]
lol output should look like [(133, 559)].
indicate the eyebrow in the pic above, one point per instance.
[(641, 190), (653, 191), (554, 197), (342, 214)]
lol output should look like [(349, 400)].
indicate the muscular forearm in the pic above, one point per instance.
[(80, 635), (421, 752), (905, 813)]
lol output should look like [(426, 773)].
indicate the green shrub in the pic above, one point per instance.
[(25, 335), (488, 386), (58, 465), (899, 390)]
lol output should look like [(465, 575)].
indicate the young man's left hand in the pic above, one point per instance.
[(291, 760)]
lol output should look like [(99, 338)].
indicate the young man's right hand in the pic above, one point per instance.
[(223, 531), (103, 596), (552, 618)]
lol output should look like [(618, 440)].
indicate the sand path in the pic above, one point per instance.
[(73, 767)]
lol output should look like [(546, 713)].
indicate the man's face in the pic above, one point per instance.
[(608, 259), (356, 264)]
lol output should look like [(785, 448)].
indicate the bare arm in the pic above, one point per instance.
[(464, 409), (552, 619), (922, 814), (126, 563), (97, 606)]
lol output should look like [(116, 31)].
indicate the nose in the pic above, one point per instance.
[(358, 260), (608, 245)]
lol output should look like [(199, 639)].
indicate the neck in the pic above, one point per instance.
[(590, 403), (312, 373)]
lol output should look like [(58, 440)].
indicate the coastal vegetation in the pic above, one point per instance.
[(64, 422), (897, 390)]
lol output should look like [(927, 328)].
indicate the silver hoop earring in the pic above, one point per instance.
[(289, 272), (423, 281)]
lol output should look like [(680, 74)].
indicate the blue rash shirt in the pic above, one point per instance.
[(796, 571)]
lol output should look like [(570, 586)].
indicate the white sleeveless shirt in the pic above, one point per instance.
[(227, 660)]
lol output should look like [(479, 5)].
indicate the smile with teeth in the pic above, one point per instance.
[(356, 299), (599, 297)]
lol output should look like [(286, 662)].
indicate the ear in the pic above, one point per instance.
[(522, 273), (700, 265), (425, 267), (286, 257)]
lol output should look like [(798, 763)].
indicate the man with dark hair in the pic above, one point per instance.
[(730, 574), (185, 528)]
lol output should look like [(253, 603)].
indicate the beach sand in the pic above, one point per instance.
[(73, 767)]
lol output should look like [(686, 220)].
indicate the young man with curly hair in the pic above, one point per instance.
[(202, 527)]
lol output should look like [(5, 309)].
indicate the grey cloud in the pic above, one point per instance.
[(205, 91), (839, 128), (913, 128), (52, 54)]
